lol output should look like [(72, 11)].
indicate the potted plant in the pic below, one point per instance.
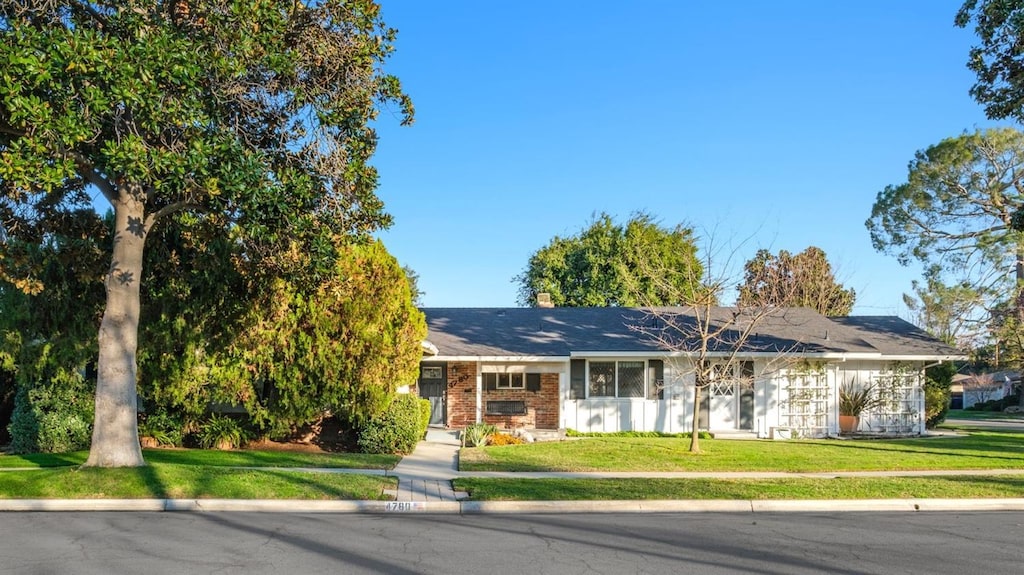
[(853, 402)]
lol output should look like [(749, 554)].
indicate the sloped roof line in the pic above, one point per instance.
[(560, 332)]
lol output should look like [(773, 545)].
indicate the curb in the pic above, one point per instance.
[(511, 507)]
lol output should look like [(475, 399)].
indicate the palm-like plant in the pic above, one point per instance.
[(854, 401)]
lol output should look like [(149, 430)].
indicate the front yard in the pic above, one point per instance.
[(979, 450), (194, 473)]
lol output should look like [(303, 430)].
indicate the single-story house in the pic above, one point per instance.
[(971, 389), (620, 369)]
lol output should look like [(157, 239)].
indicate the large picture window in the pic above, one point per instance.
[(618, 379)]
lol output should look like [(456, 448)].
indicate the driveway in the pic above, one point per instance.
[(1007, 424)]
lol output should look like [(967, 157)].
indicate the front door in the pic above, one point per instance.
[(432, 386), (722, 404)]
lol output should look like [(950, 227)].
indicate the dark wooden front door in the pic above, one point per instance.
[(433, 387)]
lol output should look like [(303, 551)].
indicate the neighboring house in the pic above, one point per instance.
[(971, 389), (601, 369)]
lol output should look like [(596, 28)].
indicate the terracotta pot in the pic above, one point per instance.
[(848, 423), (148, 442)]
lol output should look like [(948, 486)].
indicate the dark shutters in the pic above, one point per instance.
[(577, 379)]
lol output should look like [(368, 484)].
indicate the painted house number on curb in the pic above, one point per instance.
[(404, 506)]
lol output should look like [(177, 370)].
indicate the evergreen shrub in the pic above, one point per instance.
[(396, 430)]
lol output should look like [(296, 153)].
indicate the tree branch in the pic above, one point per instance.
[(91, 175), (169, 209)]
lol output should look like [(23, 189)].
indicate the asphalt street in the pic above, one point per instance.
[(700, 543)]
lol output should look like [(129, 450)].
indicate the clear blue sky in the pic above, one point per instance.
[(772, 124)]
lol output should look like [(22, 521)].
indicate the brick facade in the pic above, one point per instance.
[(541, 406)]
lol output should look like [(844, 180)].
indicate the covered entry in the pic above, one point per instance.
[(433, 386), (729, 403)]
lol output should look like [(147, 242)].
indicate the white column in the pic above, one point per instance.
[(479, 394)]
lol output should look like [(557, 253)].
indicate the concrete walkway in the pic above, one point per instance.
[(426, 474)]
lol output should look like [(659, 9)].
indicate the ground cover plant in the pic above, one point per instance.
[(488, 489), (979, 450)]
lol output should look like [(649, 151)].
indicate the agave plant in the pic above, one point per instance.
[(854, 401)]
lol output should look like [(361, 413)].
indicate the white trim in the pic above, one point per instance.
[(503, 358), (479, 394), (843, 356)]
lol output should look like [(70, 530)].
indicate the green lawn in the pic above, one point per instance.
[(1003, 486), (979, 450), (169, 481), (955, 414), (215, 458)]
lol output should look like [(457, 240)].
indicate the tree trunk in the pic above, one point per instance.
[(115, 435), (695, 435)]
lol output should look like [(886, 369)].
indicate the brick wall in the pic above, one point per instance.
[(541, 406), (461, 394)]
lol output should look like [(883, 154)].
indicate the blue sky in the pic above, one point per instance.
[(765, 124)]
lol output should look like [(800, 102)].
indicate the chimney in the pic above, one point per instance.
[(544, 300)]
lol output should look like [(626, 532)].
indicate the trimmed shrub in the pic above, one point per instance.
[(936, 404), (53, 417), (424, 417), (396, 430), (938, 380)]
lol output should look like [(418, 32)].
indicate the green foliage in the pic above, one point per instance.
[(936, 404), (256, 115), (996, 61), (476, 435), (650, 434), (953, 215), (854, 401), (938, 380), (164, 428), (802, 280), (53, 416), (396, 429), (945, 311), (222, 432), (424, 417), (341, 347), (609, 264)]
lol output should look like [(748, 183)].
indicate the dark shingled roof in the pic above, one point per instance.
[(893, 336), (556, 332)]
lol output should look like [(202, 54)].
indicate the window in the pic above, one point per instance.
[(726, 376), (506, 408), (504, 381), (431, 372), (602, 379), (618, 378)]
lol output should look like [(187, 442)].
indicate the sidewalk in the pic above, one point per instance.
[(425, 485), (427, 473)]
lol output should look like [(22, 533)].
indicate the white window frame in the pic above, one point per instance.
[(508, 380)]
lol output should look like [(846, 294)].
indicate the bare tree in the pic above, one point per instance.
[(710, 341)]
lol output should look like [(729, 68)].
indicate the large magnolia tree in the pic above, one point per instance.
[(604, 265), (252, 114)]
